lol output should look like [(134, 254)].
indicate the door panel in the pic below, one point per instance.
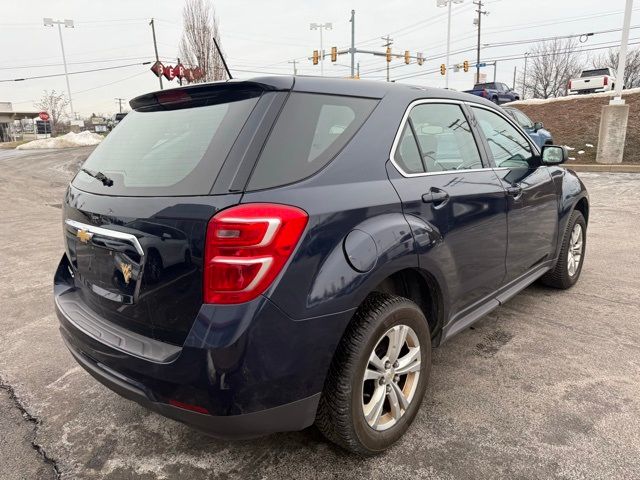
[(532, 200), (472, 226)]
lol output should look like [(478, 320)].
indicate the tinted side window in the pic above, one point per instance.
[(309, 132), (508, 146), (445, 138)]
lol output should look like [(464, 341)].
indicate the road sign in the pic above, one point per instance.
[(480, 65), (44, 116)]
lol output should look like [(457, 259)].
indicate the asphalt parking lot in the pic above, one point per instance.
[(547, 386)]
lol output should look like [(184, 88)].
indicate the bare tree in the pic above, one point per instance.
[(55, 104), (200, 25), (553, 64), (632, 67)]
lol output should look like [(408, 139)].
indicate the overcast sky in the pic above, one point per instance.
[(260, 36)]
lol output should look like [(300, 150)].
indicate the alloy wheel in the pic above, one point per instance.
[(391, 377), (575, 250)]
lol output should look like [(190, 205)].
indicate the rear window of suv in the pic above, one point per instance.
[(310, 131), (169, 152)]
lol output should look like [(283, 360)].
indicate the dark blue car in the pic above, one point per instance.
[(535, 130), (258, 256)]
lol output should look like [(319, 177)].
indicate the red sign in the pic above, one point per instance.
[(169, 72), (179, 70), (157, 68), (44, 116)]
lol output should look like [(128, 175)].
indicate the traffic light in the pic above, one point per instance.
[(315, 57), (388, 54), (443, 69), (420, 58), (334, 54), (465, 66), (407, 57)]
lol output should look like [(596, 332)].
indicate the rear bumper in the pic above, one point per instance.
[(289, 417), (252, 369)]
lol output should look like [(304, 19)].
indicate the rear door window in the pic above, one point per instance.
[(169, 152), (310, 131), (443, 137)]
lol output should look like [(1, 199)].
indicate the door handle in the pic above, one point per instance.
[(435, 196), (514, 191)]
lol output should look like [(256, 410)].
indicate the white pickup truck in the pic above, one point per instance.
[(592, 81)]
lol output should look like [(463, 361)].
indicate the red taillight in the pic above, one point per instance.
[(606, 81), (569, 84), (246, 248), (484, 92)]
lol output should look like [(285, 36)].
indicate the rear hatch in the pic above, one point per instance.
[(135, 216)]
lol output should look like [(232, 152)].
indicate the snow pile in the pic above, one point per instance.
[(69, 140), (538, 101)]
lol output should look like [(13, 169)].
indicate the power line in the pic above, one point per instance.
[(72, 73)]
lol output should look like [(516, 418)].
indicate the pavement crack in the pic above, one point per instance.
[(36, 424)]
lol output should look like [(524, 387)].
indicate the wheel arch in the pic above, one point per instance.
[(422, 288), (582, 206)]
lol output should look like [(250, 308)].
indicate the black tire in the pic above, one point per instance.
[(340, 415), (559, 277), (495, 100)]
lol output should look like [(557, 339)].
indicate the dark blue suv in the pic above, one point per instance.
[(257, 256)]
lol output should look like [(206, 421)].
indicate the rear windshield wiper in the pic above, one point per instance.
[(106, 181)]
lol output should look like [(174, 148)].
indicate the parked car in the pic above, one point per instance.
[(347, 227), (535, 130), (496, 92), (592, 81)]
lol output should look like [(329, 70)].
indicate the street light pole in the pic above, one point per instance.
[(622, 57), (49, 22), (448, 3), (321, 26)]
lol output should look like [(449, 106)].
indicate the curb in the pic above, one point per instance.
[(618, 168)]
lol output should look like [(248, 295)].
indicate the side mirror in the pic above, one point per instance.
[(166, 236), (538, 126), (554, 155)]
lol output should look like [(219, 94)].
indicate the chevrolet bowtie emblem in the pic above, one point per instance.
[(125, 268), (84, 236)]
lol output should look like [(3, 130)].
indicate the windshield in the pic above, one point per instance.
[(167, 152)]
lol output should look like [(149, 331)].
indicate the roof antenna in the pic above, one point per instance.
[(224, 62)]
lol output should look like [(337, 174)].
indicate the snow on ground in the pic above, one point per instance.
[(537, 101), (71, 139)]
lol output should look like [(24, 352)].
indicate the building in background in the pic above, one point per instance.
[(8, 116)]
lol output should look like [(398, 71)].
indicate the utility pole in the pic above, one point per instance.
[(388, 42), (295, 70), (352, 50), (321, 26), (495, 70), (480, 12), (120, 100), (515, 70), (49, 22), (155, 47)]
